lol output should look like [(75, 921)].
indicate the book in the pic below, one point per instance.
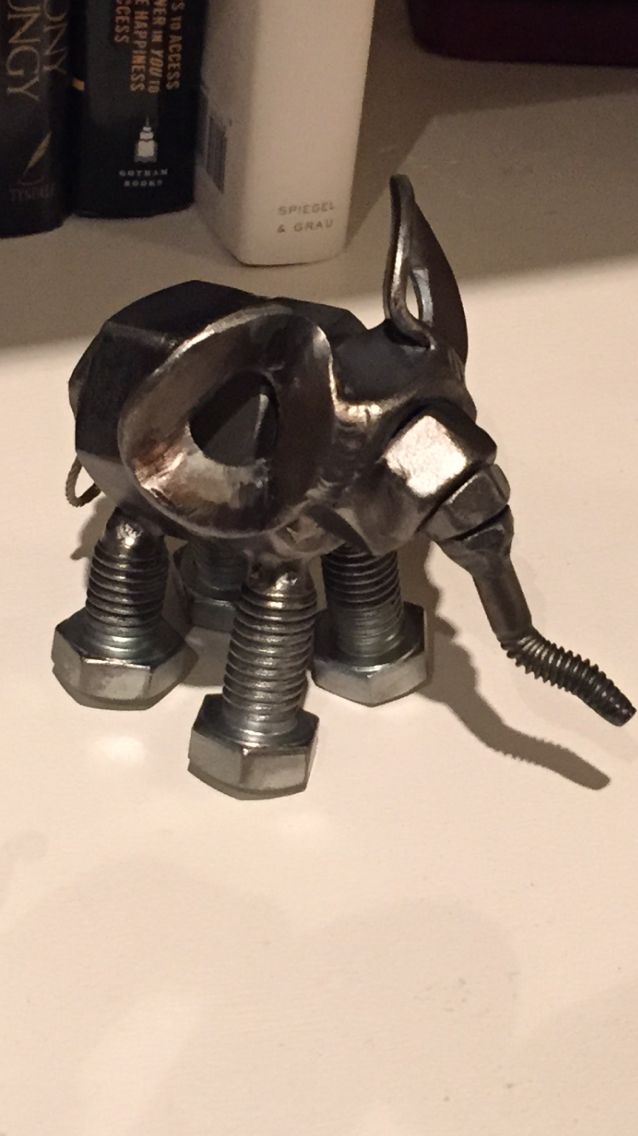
[(34, 64), (280, 109), (134, 105), (555, 31)]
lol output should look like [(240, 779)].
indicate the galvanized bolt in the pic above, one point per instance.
[(254, 739), (118, 650), (210, 577), (370, 645)]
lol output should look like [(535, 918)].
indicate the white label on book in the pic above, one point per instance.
[(212, 142)]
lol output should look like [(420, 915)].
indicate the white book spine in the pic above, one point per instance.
[(282, 89)]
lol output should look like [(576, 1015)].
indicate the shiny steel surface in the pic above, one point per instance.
[(290, 431), (369, 645), (255, 739), (209, 578), (373, 679), (118, 650)]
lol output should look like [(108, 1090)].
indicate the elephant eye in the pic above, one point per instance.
[(238, 422)]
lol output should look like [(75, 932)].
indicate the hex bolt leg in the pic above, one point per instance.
[(118, 650), (210, 575), (219, 566), (363, 595), (254, 739), (370, 645)]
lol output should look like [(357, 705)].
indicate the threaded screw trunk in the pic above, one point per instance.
[(126, 587), (363, 595), (270, 651), (568, 671), (510, 619)]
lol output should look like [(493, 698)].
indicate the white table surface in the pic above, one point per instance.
[(441, 935)]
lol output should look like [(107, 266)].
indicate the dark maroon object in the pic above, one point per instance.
[(547, 31)]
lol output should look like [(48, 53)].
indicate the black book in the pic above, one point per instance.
[(33, 60), (551, 31), (134, 105)]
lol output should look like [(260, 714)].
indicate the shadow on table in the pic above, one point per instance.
[(92, 529), (455, 684)]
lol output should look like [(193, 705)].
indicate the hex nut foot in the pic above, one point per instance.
[(118, 680), (400, 671), (246, 769)]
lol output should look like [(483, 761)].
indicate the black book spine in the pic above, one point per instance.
[(34, 71), (134, 105)]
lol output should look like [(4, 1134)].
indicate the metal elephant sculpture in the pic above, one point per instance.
[(265, 433)]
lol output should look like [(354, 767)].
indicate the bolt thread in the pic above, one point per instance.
[(570, 672), (270, 651), (219, 568), (127, 581), (363, 594)]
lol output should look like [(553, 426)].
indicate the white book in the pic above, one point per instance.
[(282, 89)]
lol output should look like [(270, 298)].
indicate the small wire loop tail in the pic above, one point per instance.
[(75, 499)]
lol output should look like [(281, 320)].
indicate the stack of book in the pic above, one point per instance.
[(34, 61), (99, 115)]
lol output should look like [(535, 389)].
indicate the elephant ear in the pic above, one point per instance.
[(170, 420), (415, 257)]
